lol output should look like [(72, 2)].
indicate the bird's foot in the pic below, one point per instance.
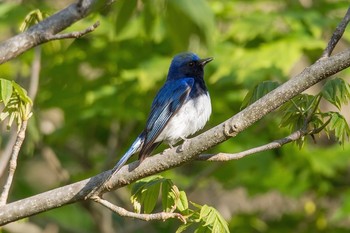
[(183, 146)]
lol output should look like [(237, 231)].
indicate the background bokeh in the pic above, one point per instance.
[(95, 94)]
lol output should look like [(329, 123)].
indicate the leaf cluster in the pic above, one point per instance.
[(145, 194), (16, 103), (303, 112)]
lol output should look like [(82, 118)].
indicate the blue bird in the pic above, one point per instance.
[(181, 108)]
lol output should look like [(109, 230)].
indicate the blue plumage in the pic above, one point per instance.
[(181, 107)]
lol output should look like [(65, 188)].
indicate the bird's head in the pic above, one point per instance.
[(187, 65)]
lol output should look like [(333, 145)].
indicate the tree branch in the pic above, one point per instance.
[(170, 158), (73, 35), (221, 157), (337, 34), (47, 29), (146, 217), (176, 156)]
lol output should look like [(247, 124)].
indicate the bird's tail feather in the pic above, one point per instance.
[(134, 148)]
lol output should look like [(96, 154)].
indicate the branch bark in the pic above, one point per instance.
[(147, 217), (170, 158), (188, 151), (47, 29)]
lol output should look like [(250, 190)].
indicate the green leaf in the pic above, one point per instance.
[(32, 18), (22, 93), (145, 193), (183, 227), (213, 220), (6, 90), (182, 202), (17, 105), (258, 91), (168, 201), (295, 111), (336, 91), (150, 197), (339, 125)]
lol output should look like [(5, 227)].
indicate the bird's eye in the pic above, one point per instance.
[(191, 63)]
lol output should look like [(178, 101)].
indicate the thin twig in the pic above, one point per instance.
[(146, 217), (221, 157), (13, 163), (32, 91), (337, 34), (73, 35)]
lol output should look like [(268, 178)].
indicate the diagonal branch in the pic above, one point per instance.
[(47, 29), (190, 150), (146, 217), (337, 34), (179, 155)]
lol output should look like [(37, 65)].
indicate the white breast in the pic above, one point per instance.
[(191, 117)]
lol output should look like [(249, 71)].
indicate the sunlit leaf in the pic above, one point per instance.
[(145, 193), (213, 219), (168, 201), (22, 93), (6, 90), (183, 227), (32, 18), (182, 202)]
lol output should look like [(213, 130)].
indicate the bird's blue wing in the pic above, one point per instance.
[(165, 105)]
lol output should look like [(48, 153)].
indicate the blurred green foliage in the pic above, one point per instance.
[(95, 93)]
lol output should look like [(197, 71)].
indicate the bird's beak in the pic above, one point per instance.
[(204, 61)]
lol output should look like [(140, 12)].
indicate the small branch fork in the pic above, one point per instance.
[(72, 35), (146, 217), (222, 157)]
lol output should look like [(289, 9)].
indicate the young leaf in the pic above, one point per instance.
[(6, 90), (258, 91), (168, 202), (150, 197), (33, 17), (145, 193), (339, 125), (336, 91), (296, 111), (22, 93), (213, 220), (182, 202), (17, 105), (183, 227)]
